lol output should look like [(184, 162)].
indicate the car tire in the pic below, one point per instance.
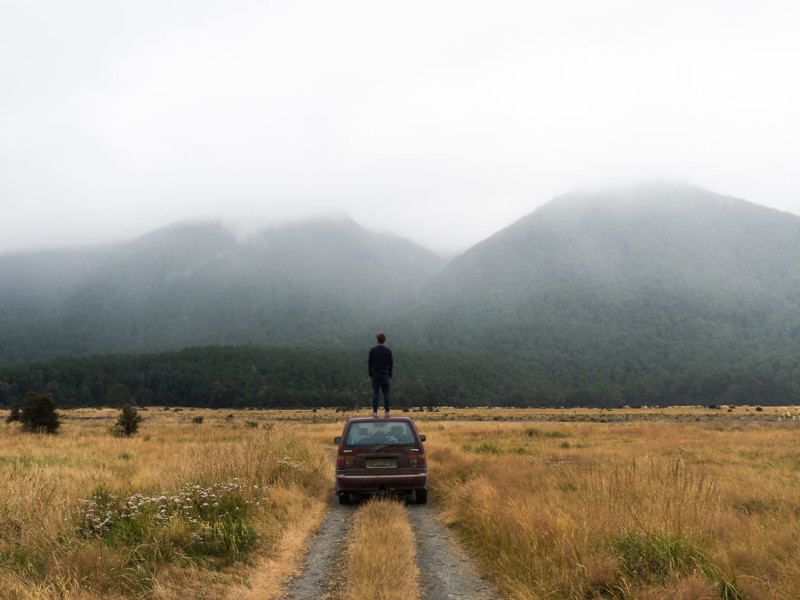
[(422, 496), (344, 498)]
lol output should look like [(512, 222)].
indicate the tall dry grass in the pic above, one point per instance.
[(682, 503), (381, 560), (639, 510), (181, 509)]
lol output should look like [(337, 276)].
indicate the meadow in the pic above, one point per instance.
[(684, 503), (703, 506), (197, 504)]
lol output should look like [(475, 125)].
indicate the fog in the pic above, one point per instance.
[(438, 121)]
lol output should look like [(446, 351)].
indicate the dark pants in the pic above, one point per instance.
[(378, 384)]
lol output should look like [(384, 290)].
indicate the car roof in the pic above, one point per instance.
[(363, 419)]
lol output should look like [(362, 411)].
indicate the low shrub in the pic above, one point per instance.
[(196, 520), (656, 556), (539, 433), (128, 422), (653, 556), (37, 413), (483, 448)]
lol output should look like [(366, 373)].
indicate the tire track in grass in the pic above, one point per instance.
[(446, 571), (318, 578)]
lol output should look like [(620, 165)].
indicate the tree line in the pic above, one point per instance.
[(270, 377)]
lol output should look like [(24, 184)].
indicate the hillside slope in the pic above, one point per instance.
[(316, 283), (655, 288)]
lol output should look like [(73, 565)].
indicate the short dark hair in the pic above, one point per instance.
[(381, 337)]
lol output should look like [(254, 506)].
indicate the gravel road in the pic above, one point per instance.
[(446, 571)]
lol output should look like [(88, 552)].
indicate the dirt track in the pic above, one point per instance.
[(446, 572)]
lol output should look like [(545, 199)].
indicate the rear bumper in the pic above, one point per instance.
[(359, 482)]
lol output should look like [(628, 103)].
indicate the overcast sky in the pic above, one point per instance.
[(441, 121)]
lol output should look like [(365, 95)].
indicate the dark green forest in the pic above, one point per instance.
[(261, 377)]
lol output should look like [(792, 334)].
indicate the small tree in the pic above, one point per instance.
[(37, 413), (128, 422)]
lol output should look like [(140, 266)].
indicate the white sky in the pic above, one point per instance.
[(441, 121)]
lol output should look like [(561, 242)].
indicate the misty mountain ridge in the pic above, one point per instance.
[(641, 288), (669, 282), (193, 250), (640, 236), (196, 284)]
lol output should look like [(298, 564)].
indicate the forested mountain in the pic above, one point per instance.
[(317, 283), (658, 294), (668, 290)]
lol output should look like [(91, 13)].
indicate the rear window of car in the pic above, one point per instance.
[(374, 433)]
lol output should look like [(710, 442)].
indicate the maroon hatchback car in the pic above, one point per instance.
[(381, 455)]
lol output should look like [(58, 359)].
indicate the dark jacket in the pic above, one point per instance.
[(380, 362)]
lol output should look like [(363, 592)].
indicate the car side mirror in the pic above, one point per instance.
[(337, 439), (422, 437)]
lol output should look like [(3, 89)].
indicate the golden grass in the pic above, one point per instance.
[(381, 561), (685, 502), (448, 413), (278, 478), (634, 510)]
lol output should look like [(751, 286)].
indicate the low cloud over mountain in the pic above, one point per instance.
[(651, 288)]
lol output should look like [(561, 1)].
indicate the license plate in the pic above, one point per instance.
[(381, 463)]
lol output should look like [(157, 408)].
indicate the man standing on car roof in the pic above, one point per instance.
[(380, 372)]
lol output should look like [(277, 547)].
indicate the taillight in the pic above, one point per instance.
[(416, 460), (344, 461)]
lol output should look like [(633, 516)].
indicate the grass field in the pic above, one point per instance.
[(696, 508), (184, 508), (682, 503)]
